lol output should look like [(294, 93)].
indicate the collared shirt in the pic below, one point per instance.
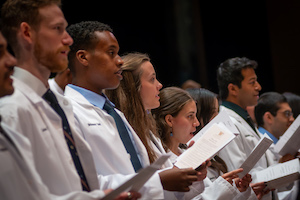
[(99, 101), (240, 111), (263, 131), (33, 82)]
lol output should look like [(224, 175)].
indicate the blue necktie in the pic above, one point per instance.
[(51, 99), (123, 132)]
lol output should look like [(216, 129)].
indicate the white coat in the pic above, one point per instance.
[(237, 151), (18, 176), (112, 161), (195, 189), (220, 189), (27, 113)]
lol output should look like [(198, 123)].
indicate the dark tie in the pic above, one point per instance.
[(123, 132), (51, 99), (251, 123)]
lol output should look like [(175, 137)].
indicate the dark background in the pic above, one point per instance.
[(188, 39)]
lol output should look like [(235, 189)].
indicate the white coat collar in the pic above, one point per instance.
[(30, 80)]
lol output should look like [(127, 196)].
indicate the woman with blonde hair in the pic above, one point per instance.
[(136, 95)]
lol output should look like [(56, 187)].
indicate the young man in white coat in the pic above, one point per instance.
[(239, 88), (95, 66), (37, 35)]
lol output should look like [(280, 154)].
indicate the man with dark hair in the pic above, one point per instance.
[(36, 30), (238, 88), (273, 115)]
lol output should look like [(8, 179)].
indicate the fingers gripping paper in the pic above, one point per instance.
[(208, 145)]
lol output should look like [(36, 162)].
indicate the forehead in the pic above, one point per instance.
[(106, 40), (190, 106), (147, 68), (248, 73), (284, 106), (52, 14)]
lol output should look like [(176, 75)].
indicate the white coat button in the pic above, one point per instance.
[(66, 102)]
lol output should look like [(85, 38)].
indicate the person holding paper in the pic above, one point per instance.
[(207, 109), (139, 75), (19, 176), (117, 149), (239, 88), (176, 121)]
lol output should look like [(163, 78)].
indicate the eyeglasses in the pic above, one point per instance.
[(287, 113)]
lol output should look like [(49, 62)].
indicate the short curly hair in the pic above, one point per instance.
[(84, 38)]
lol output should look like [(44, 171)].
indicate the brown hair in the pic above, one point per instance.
[(14, 12), (127, 99), (172, 100)]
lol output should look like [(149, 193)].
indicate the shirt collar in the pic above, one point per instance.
[(29, 79), (263, 131), (94, 98), (243, 113)]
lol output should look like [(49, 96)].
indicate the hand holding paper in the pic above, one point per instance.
[(212, 141)]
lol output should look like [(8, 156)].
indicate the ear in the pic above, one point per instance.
[(232, 89), (169, 120), (268, 118), (26, 32), (82, 57)]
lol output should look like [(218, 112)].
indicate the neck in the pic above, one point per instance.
[(235, 101), (39, 71), (174, 148), (85, 85)]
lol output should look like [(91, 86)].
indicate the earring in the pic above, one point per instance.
[(171, 133)]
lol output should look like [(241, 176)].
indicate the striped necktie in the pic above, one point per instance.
[(51, 99)]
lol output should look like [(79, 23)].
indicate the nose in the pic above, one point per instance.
[(196, 123), (159, 85), (258, 86), (67, 40), (119, 61), (10, 60)]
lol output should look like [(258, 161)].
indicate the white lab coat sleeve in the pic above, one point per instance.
[(248, 194), (220, 189), (195, 189)]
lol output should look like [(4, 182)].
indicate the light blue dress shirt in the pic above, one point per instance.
[(263, 131), (99, 101)]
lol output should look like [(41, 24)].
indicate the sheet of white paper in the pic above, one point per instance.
[(212, 141), (289, 141), (222, 117), (258, 151), (136, 182), (278, 175)]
